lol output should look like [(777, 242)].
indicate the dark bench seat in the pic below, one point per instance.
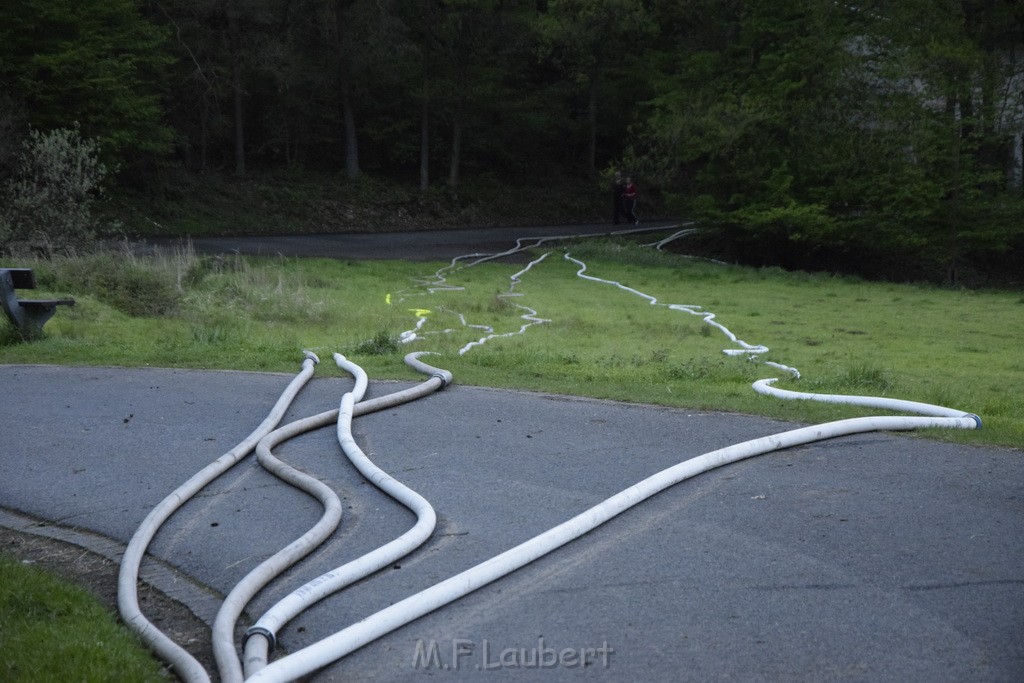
[(27, 315)]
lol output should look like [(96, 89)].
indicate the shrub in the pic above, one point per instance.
[(132, 286), (46, 207), (381, 344)]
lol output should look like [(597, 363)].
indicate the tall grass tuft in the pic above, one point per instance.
[(864, 377), (131, 285), (381, 344)]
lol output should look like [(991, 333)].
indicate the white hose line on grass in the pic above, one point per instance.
[(228, 663), (186, 666), (530, 316), (415, 334), (685, 232), (538, 241), (262, 636), (438, 281), (764, 386), (707, 316), (326, 651)]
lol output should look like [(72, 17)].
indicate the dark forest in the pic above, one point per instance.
[(880, 138)]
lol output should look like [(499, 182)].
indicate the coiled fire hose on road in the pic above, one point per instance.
[(307, 660), (343, 642), (127, 585), (261, 636)]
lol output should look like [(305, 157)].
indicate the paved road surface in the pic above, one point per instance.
[(429, 245), (874, 557)]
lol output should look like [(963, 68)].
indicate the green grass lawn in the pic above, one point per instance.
[(952, 347), (53, 631)]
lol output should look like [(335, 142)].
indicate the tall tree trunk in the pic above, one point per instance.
[(428, 9), (591, 162), (239, 124), (955, 209), (1017, 163), (204, 134), (425, 142), (457, 124), (351, 135), (289, 154), (234, 41), (456, 150), (460, 79), (348, 113)]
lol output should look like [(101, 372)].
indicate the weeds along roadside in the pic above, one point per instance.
[(175, 308)]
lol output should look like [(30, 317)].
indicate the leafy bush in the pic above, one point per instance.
[(382, 344), (46, 207)]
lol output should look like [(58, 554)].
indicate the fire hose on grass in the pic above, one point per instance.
[(262, 636)]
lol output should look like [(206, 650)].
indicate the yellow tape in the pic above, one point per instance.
[(420, 312)]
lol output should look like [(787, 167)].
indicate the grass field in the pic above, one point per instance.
[(957, 348)]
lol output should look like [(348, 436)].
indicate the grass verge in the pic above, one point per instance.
[(54, 631)]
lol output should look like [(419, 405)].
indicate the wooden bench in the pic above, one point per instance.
[(27, 315)]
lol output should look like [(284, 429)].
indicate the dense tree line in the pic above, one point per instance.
[(808, 133)]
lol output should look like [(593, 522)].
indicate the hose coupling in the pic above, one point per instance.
[(261, 631), (976, 418), (445, 377), (311, 356)]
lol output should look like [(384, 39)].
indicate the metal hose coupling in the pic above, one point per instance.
[(412, 360), (311, 356), (260, 631)]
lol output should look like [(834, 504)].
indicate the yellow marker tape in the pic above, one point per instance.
[(420, 312), (387, 299)]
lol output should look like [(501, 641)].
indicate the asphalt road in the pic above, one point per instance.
[(428, 245), (877, 557)]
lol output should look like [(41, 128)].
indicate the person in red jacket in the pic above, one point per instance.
[(618, 204), (629, 195)]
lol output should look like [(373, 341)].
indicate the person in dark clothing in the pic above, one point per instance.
[(629, 194), (618, 207)]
